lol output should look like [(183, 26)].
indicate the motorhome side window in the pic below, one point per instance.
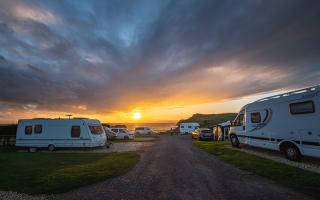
[(182, 126), (38, 128), (28, 130), (189, 126), (75, 131), (302, 107), (255, 117)]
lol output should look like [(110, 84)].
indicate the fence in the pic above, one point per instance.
[(7, 140)]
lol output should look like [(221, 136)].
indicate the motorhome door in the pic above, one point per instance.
[(239, 127)]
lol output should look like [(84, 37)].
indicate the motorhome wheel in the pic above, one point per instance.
[(51, 147), (292, 153)]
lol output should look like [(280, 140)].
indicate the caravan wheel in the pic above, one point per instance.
[(234, 140), (51, 147)]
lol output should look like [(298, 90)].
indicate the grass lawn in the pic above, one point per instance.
[(298, 179), (48, 173)]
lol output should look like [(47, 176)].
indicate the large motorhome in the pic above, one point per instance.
[(288, 122), (53, 133)]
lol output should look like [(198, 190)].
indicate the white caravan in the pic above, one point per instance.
[(288, 122), (52, 133), (188, 127)]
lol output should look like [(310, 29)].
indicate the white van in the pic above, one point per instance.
[(288, 122), (143, 131), (52, 133), (188, 127)]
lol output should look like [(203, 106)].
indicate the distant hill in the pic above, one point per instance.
[(209, 120)]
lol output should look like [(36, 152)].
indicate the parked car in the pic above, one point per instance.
[(123, 133), (109, 133), (55, 133), (143, 131), (288, 122), (187, 128), (202, 134), (195, 134)]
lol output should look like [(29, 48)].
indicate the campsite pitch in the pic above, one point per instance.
[(44, 173)]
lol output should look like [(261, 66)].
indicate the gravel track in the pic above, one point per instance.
[(173, 168)]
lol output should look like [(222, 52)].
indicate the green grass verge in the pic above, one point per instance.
[(48, 173), (298, 179)]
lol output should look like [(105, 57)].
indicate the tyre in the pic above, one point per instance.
[(292, 152), (51, 147), (126, 138), (234, 141)]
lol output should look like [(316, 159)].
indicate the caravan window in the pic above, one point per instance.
[(182, 126), (302, 107), (189, 126), (96, 130), (255, 117), (28, 130), (38, 128), (75, 131)]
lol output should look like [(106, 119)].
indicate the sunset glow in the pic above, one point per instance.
[(93, 59), (136, 116)]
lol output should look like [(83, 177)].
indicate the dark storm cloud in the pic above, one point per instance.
[(114, 55)]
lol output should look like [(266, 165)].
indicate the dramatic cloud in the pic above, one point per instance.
[(98, 57)]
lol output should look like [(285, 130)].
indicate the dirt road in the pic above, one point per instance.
[(173, 168)]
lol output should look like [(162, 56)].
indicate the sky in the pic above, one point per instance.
[(164, 59)]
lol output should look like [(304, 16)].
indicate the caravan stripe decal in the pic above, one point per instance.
[(279, 140), (311, 143)]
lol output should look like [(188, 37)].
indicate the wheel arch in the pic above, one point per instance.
[(285, 143)]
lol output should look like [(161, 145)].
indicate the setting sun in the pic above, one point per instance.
[(136, 116)]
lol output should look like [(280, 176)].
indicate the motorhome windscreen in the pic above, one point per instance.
[(96, 130)]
